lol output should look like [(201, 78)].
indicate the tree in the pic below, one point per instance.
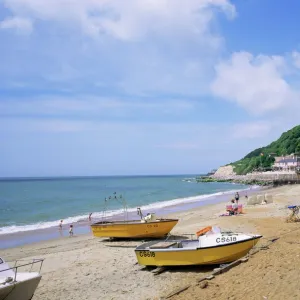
[(288, 143)]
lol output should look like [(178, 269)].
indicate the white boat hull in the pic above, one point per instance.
[(20, 290)]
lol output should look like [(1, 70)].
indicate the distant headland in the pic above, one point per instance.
[(275, 164)]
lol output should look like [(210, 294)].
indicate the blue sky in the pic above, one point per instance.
[(113, 87)]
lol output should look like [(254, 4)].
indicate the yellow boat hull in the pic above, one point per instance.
[(200, 256), (134, 229)]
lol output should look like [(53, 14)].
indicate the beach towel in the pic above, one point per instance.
[(240, 208), (228, 215), (228, 207), (225, 215)]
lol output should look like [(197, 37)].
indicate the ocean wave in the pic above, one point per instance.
[(97, 215), (190, 180), (45, 225)]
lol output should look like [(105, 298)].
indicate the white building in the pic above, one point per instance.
[(287, 163)]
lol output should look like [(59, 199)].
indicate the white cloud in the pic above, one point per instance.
[(255, 83), (123, 19), (20, 24), (296, 58), (137, 46)]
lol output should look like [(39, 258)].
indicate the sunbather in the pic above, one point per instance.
[(235, 207), (230, 209)]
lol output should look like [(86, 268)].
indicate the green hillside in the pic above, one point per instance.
[(288, 143)]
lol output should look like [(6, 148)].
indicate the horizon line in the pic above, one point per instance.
[(89, 176)]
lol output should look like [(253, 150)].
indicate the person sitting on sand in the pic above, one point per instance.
[(60, 224), (71, 230), (235, 207), (230, 210)]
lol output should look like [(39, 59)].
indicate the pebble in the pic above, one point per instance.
[(203, 284)]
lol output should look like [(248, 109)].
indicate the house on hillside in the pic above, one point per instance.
[(287, 163)]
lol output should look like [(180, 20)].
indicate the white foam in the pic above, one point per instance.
[(152, 206), (44, 225)]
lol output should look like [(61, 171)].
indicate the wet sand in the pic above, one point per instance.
[(84, 267)]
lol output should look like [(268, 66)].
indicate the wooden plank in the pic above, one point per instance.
[(159, 270), (244, 259), (227, 267), (224, 269), (178, 291), (216, 271), (147, 268), (209, 277), (201, 279), (263, 247), (121, 246)]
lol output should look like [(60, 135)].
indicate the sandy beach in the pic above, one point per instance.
[(84, 267)]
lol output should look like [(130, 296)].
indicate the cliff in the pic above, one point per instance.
[(225, 171)]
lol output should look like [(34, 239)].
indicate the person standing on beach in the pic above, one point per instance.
[(60, 224), (71, 230), (90, 216), (237, 198)]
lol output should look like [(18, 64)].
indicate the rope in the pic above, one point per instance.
[(272, 240)]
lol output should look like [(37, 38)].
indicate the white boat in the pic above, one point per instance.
[(17, 285), (212, 247)]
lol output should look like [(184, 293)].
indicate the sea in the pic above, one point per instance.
[(29, 204)]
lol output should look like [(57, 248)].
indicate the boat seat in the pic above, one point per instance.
[(164, 245), (292, 206)]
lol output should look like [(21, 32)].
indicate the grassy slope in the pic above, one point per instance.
[(288, 143)]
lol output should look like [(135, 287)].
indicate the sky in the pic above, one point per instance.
[(138, 87)]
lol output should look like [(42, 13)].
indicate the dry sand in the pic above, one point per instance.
[(84, 267)]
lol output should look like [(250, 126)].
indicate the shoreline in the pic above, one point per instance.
[(84, 267), (268, 178), (82, 227)]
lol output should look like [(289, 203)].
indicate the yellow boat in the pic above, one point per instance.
[(147, 227), (134, 229), (211, 248)]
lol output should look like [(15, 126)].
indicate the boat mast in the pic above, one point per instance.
[(119, 199)]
